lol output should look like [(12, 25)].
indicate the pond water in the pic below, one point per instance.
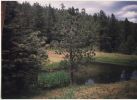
[(123, 77), (89, 82), (104, 73), (134, 75)]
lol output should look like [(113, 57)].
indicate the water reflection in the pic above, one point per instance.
[(134, 75), (123, 75), (128, 75), (89, 82)]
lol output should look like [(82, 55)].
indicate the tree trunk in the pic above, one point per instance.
[(71, 68), (3, 12), (71, 75)]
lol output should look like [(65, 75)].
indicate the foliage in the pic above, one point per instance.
[(23, 53), (64, 64), (110, 34), (74, 42), (55, 79)]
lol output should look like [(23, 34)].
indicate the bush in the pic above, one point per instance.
[(55, 79), (64, 64)]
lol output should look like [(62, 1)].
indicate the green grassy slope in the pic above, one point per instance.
[(116, 58)]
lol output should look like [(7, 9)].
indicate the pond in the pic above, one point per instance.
[(104, 73), (101, 73)]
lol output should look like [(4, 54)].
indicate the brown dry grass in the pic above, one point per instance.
[(53, 57), (127, 89)]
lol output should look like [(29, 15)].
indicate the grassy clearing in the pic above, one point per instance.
[(116, 90), (53, 57), (112, 58), (116, 58)]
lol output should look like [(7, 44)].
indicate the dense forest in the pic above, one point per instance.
[(30, 29)]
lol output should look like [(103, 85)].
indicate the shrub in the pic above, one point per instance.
[(64, 64), (55, 79)]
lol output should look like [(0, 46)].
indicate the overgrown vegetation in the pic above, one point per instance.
[(54, 79)]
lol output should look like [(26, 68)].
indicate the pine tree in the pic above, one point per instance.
[(23, 53), (104, 39), (113, 33), (73, 44)]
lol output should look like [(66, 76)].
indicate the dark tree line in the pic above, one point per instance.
[(23, 49), (111, 35), (116, 36), (28, 28)]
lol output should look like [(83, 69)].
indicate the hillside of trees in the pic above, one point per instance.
[(30, 29), (110, 35)]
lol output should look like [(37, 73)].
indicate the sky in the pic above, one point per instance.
[(121, 9)]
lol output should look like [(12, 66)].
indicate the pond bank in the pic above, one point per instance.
[(121, 90)]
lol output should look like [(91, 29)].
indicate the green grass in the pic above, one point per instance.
[(54, 79), (116, 58), (51, 66), (56, 66), (111, 60)]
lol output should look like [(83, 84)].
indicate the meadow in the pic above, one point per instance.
[(105, 71), (112, 58)]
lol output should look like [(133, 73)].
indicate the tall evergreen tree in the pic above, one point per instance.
[(22, 54), (50, 24), (73, 44), (104, 39), (113, 33)]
